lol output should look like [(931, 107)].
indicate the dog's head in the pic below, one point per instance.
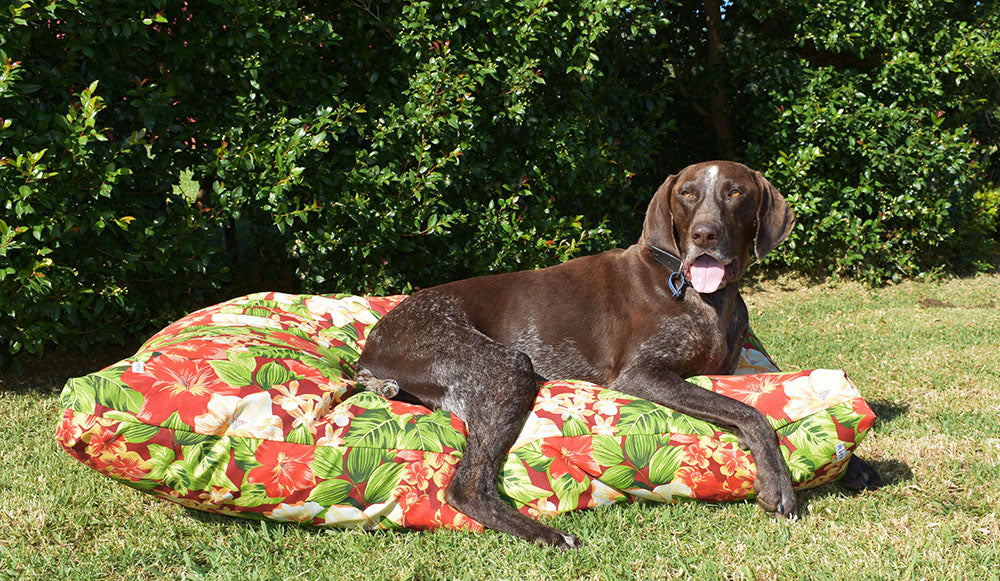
[(710, 214)]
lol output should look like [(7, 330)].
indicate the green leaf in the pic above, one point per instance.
[(361, 462), (619, 477), (515, 483), (187, 187), (574, 427), (79, 395), (328, 461), (114, 395), (382, 482), (643, 417), (300, 435), (237, 371), (136, 433), (608, 450), (272, 373), (331, 492), (639, 449), (664, 464), (374, 428)]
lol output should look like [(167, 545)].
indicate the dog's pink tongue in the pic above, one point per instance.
[(706, 274)]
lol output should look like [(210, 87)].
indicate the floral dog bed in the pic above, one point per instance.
[(247, 408)]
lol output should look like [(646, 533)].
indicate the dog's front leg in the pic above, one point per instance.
[(653, 381)]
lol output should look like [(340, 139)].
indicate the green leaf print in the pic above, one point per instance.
[(160, 458), (814, 437), (206, 464), (331, 492), (368, 400), (643, 417), (361, 462), (608, 450), (683, 424), (237, 371), (382, 482), (328, 461), (701, 381), (515, 483), (114, 394), (79, 395), (135, 433), (568, 491), (374, 428), (532, 455), (431, 432), (664, 464), (845, 415), (252, 495), (300, 435), (619, 477), (800, 466), (639, 449), (574, 427), (272, 373), (244, 453)]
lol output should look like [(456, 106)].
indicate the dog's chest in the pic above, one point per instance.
[(701, 339)]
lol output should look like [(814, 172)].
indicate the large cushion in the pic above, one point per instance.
[(247, 408)]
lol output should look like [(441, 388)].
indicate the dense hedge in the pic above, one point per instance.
[(158, 156)]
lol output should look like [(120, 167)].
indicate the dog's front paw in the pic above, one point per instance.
[(555, 538), (779, 501), (860, 475)]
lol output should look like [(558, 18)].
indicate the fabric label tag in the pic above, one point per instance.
[(841, 451)]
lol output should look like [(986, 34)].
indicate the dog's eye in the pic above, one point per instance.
[(735, 193), (687, 194)]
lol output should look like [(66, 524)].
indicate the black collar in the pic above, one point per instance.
[(676, 282)]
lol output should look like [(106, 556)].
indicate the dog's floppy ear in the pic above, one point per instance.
[(775, 219), (658, 227)]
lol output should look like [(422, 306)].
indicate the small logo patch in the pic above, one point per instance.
[(841, 450), (138, 367)]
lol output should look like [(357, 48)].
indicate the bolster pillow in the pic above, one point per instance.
[(248, 408)]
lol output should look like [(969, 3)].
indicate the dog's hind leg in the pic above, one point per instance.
[(437, 358), (494, 424)]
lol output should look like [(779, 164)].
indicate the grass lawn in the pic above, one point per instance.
[(925, 355)]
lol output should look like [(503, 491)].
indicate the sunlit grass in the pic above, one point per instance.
[(930, 370)]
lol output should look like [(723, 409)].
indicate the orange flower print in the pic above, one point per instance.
[(104, 441), (732, 461), (284, 468), (125, 465), (697, 454), (71, 427), (573, 456), (170, 383)]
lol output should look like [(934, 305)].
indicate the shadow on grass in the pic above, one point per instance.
[(48, 373), (886, 411)]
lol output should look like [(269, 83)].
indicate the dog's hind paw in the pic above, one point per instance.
[(387, 388)]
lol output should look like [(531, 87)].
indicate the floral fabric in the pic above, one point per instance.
[(247, 408)]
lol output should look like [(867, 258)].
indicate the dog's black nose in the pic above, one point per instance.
[(705, 234)]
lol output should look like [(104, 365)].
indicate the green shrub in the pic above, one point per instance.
[(158, 156)]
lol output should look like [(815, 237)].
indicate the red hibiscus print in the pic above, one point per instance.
[(573, 456), (170, 383), (284, 468)]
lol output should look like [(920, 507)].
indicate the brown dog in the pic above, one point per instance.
[(623, 319)]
